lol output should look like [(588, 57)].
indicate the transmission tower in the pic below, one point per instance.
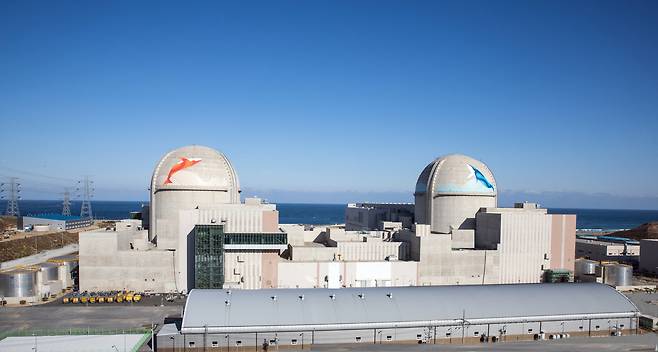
[(13, 189), (86, 187), (66, 203)]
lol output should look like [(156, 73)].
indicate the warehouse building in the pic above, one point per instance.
[(292, 317), (608, 248), (53, 222)]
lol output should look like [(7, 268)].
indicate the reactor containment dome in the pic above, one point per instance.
[(451, 190), (190, 177)]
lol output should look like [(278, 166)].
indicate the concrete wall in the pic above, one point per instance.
[(441, 265), (346, 274), (104, 267), (649, 256), (563, 241)]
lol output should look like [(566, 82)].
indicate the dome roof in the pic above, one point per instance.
[(456, 174), (195, 168)]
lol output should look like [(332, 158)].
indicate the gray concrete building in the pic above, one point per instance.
[(52, 222), (605, 248), (649, 256)]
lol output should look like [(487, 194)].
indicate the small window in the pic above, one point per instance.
[(191, 344), (389, 337), (621, 325), (580, 327), (597, 327), (273, 342), (215, 344), (529, 331), (358, 339), (448, 334), (238, 343), (419, 337), (293, 342)]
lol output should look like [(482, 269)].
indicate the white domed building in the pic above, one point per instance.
[(200, 234), (191, 177), (450, 190)]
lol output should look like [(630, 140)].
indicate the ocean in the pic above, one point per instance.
[(316, 214)]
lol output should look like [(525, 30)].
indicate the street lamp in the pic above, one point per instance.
[(173, 346), (302, 336)]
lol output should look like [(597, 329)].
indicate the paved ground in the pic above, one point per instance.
[(647, 342), (643, 302), (59, 316)]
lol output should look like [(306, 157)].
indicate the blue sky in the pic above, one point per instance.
[(315, 97)]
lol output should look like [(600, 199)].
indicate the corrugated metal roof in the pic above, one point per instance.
[(286, 307)]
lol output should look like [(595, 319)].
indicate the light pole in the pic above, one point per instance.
[(302, 336), (35, 348), (173, 346)]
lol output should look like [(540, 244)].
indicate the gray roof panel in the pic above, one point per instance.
[(405, 304)]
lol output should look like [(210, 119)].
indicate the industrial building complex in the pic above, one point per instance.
[(452, 265), (201, 235)]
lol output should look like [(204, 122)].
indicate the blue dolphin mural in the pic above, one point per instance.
[(480, 177)]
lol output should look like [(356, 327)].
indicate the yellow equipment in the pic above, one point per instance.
[(137, 297), (84, 299), (65, 300)]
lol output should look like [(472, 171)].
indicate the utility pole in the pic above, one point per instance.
[(86, 187), (66, 203), (13, 189)]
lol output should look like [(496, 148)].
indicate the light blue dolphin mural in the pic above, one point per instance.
[(480, 177)]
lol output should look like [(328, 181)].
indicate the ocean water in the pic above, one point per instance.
[(316, 214)]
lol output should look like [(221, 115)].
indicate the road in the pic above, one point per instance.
[(647, 342)]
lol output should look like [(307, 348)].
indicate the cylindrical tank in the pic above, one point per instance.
[(50, 271), (70, 261), (585, 267), (41, 228), (618, 274), (18, 283)]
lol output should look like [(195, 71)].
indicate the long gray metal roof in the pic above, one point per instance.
[(329, 309)]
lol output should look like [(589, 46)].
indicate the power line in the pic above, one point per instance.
[(66, 204), (12, 199), (85, 186)]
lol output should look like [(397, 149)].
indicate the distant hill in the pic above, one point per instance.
[(644, 231)]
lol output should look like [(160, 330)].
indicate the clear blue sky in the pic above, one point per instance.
[(555, 96)]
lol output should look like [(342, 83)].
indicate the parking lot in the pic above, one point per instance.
[(101, 316)]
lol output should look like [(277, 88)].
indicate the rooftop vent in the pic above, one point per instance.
[(332, 296)]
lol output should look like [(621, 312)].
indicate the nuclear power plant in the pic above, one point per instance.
[(197, 233)]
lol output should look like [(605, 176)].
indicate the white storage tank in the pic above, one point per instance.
[(618, 275), (49, 271), (18, 283), (585, 267)]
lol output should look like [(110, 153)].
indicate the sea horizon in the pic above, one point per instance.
[(588, 219)]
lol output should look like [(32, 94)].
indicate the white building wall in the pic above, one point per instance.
[(243, 269), (524, 246)]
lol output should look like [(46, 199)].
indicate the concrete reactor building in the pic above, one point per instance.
[(199, 233)]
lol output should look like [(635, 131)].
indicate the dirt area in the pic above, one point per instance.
[(648, 230), (26, 245), (7, 222)]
